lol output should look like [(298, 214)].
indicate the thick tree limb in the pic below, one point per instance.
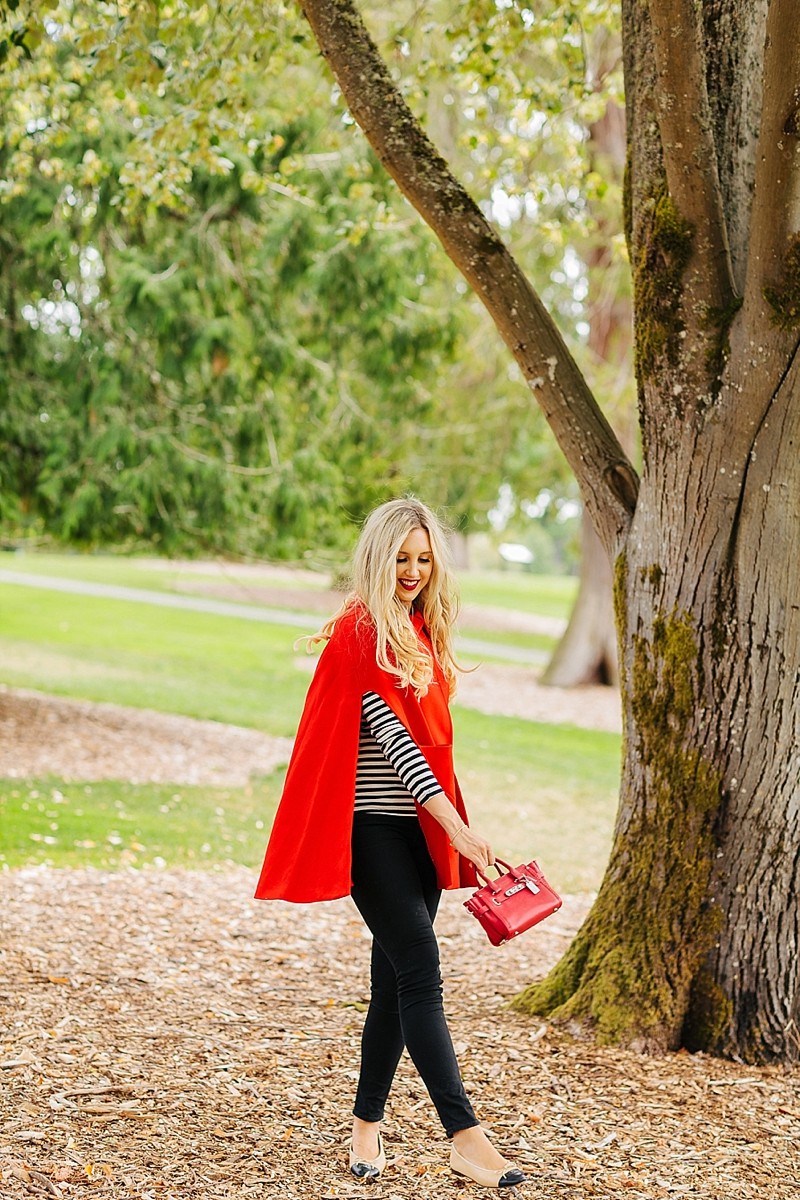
[(689, 151), (608, 482), (734, 32), (775, 216)]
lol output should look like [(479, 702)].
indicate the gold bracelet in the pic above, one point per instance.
[(455, 835)]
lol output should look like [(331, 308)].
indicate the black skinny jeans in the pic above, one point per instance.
[(394, 889)]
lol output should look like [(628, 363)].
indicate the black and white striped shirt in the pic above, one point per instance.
[(392, 771)]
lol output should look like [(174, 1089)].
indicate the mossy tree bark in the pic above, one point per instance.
[(693, 938)]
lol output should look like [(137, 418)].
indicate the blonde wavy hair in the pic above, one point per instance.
[(374, 585)]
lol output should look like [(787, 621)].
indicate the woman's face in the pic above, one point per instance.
[(414, 565)]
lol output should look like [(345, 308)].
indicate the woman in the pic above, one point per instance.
[(371, 808)]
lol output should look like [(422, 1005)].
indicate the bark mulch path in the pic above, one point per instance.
[(164, 1036), (85, 740)]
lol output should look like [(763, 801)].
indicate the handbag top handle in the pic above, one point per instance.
[(517, 872)]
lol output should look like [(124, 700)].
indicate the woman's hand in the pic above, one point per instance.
[(463, 839), (472, 846)]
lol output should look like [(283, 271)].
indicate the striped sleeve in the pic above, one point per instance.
[(399, 748)]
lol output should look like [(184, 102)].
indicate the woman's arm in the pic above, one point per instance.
[(462, 838), (408, 760), (399, 748)]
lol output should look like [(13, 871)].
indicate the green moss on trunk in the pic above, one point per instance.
[(784, 297), (718, 322), (658, 283), (652, 575), (620, 593)]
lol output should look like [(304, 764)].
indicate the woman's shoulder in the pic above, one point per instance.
[(354, 630)]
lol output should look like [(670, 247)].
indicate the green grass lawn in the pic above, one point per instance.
[(111, 824), (161, 575), (244, 584), (221, 668), (545, 595), (499, 647), (541, 791)]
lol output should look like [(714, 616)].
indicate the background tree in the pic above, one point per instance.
[(224, 329), (201, 362), (681, 945)]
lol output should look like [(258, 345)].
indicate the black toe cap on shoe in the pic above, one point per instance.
[(364, 1171), (512, 1178)]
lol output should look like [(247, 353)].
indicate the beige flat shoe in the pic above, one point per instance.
[(367, 1168), (506, 1177)]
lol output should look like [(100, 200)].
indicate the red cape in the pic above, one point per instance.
[(308, 857)]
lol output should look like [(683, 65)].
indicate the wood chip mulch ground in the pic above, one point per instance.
[(163, 1036), (84, 740)]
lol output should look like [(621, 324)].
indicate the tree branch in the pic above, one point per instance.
[(689, 151), (775, 218), (607, 479)]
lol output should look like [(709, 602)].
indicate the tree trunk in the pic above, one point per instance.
[(587, 651), (693, 938), (459, 547)]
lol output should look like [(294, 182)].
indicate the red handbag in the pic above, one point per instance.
[(514, 902)]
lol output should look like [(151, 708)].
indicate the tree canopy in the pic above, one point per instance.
[(223, 329)]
